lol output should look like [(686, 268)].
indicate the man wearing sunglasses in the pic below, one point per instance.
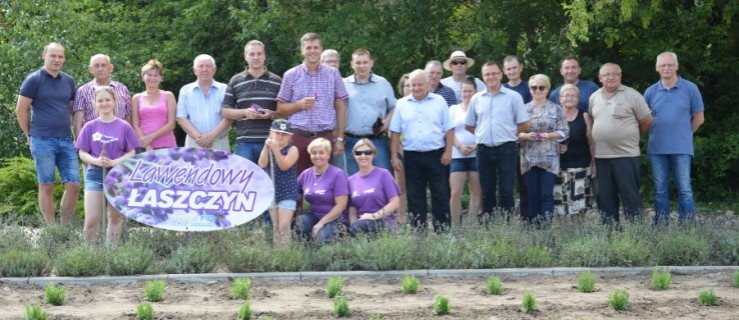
[(458, 63)]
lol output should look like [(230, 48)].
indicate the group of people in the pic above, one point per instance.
[(349, 148)]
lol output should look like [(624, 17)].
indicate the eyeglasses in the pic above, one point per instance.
[(540, 88), (610, 74), (459, 62), (363, 152)]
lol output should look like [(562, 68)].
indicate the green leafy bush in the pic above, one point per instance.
[(494, 285), (333, 286), (707, 298), (240, 289), (13, 238), (34, 312), (661, 280), (81, 261), (55, 295), (410, 284), (341, 307), (586, 282), (20, 263), (528, 304), (144, 311), (155, 290), (244, 311), (619, 300), (441, 306), (130, 259), (194, 258)]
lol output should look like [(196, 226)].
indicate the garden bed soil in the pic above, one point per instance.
[(382, 298)]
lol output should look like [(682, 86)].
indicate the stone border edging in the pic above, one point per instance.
[(298, 276)]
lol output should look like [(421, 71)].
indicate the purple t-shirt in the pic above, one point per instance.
[(321, 190), (372, 192), (117, 134)]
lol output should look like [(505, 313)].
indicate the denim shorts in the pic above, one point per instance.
[(288, 204), (93, 178), (463, 165), (50, 153)]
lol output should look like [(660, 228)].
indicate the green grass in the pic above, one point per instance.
[(155, 290), (244, 311), (333, 286), (586, 282), (34, 312), (441, 306), (341, 307), (240, 288), (707, 298), (736, 279), (144, 311), (410, 285), (619, 300), (661, 280), (494, 285), (55, 295), (528, 304)]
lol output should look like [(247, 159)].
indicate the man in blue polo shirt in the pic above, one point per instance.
[(49, 94), (677, 108), (496, 116), (570, 70), (369, 110)]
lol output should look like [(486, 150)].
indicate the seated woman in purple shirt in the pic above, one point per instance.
[(326, 190), (373, 193)]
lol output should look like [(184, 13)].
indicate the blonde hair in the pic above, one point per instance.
[(571, 87), (319, 143), (543, 78), (107, 89), (153, 64), (365, 142)]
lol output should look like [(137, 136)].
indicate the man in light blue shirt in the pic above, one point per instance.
[(423, 120), (677, 108), (199, 108), (369, 110), (496, 116)]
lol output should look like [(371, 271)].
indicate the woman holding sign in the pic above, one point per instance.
[(326, 190)]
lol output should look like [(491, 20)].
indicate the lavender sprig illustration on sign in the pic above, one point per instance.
[(189, 189)]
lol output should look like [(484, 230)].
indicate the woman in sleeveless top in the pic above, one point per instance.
[(153, 111)]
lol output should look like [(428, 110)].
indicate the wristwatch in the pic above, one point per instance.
[(339, 139)]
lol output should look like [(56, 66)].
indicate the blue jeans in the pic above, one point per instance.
[(679, 164), (540, 186), (331, 230), (366, 226), (424, 169), (50, 153), (497, 169), (382, 158)]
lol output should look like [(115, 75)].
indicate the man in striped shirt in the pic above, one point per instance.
[(101, 69)]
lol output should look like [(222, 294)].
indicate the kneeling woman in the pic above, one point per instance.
[(374, 196), (326, 190)]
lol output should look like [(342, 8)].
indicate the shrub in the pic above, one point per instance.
[(17, 263), (245, 311), (81, 261), (193, 258), (661, 280), (13, 238), (155, 290), (707, 298), (586, 252), (333, 286), (341, 306), (586, 282), (55, 295), (494, 285), (240, 289), (34, 312), (410, 285), (619, 300), (528, 304), (59, 238), (129, 259), (682, 246), (441, 306), (144, 311)]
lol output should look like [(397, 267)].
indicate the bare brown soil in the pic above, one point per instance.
[(381, 298)]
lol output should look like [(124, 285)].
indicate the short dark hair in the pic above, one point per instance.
[(310, 36), (470, 80), (361, 52), (492, 63), (570, 57)]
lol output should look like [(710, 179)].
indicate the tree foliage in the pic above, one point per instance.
[(402, 35)]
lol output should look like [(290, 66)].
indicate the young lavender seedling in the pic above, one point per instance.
[(333, 286), (410, 285)]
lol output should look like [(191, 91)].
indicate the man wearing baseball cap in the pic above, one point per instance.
[(458, 63)]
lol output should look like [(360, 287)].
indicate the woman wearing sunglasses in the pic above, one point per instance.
[(374, 196), (540, 150)]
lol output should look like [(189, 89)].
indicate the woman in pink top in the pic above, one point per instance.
[(153, 111)]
